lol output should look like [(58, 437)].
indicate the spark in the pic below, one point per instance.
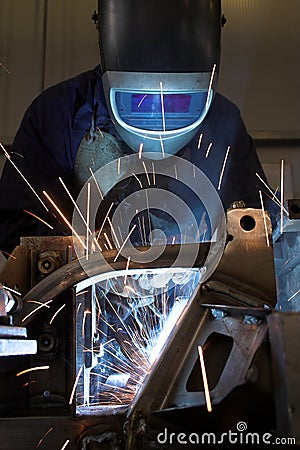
[(208, 150), (199, 141), (23, 177), (88, 202), (38, 303), (8, 254), (16, 153), (141, 101), (107, 214), (162, 146), (98, 304), (79, 306), (86, 312), (175, 170), (140, 150), (153, 173), (41, 440), (36, 309), (123, 245), (79, 212), (205, 383), (5, 68), (275, 192), (65, 444), (126, 270), (64, 218), (274, 198), (162, 105), (119, 166), (113, 232), (264, 217), (57, 312), (146, 172), (98, 129), (223, 168), (141, 231), (148, 210), (97, 184), (139, 181), (130, 289), (28, 383), (294, 295), (74, 386), (129, 351), (32, 369), (210, 85), (37, 217), (281, 194), (13, 291), (108, 241), (144, 229)]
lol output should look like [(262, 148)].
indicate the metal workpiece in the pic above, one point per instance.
[(284, 341), (78, 434), (76, 271), (172, 382), (117, 344), (247, 264), (35, 258), (13, 340), (13, 347), (286, 238), (216, 291)]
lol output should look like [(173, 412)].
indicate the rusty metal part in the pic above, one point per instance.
[(48, 262), (25, 433), (166, 386), (218, 291), (284, 340), (247, 264), (245, 268), (286, 238), (21, 270)]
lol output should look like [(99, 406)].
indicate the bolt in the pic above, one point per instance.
[(251, 320), (217, 313)]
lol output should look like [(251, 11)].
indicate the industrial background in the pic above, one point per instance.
[(46, 41)]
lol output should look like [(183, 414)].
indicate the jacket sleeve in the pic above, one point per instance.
[(41, 152)]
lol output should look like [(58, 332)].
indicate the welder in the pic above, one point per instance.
[(154, 91)]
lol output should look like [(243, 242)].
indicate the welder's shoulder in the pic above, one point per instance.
[(226, 107), (65, 94)]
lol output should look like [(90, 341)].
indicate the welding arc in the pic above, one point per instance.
[(72, 273)]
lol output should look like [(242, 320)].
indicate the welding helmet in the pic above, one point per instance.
[(159, 62)]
